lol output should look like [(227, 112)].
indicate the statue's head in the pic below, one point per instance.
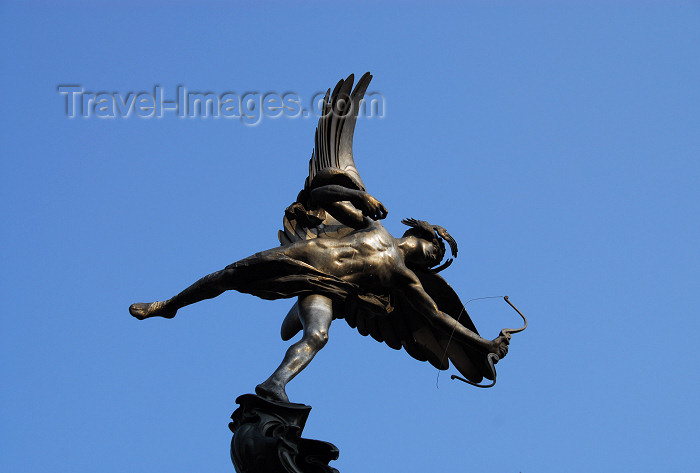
[(428, 248)]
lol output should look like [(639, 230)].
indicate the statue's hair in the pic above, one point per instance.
[(434, 234)]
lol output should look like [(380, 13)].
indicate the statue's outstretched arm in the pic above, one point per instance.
[(348, 206)]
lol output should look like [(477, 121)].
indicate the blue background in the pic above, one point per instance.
[(557, 141)]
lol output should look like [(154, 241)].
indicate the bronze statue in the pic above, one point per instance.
[(340, 262)]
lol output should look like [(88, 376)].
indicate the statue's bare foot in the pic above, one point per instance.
[(272, 391), (144, 310)]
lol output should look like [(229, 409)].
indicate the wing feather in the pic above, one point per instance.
[(423, 335), (332, 124), (289, 229), (351, 318), (341, 107), (373, 329), (301, 232), (388, 334), (398, 323), (362, 325), (284, 239), (345, 156)]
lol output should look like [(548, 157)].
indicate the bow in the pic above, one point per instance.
[(492, 358)]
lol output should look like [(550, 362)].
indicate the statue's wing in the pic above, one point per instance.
[(331, 163), (332, 154), (404, 327)]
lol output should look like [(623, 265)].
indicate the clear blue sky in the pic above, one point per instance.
[(557, 141)]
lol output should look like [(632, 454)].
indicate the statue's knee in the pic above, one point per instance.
[(318, 338)]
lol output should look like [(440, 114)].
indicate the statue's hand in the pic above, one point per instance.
[(499, 345), (372, 208)]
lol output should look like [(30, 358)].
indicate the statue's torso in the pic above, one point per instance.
[(366, 257)]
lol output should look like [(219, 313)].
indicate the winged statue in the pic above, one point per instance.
[(339, 262)]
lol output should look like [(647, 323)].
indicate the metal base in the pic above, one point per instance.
[(267, 439)]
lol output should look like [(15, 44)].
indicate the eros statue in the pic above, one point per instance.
[(339, 262)]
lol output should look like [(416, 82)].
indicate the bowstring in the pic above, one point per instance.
[(464, 308)]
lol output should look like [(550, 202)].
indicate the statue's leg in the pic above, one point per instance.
[(316, 314), (208, 287)]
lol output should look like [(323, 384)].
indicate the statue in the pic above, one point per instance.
[(339, 261)]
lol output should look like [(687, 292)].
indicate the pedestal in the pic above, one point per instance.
[(267, 439)]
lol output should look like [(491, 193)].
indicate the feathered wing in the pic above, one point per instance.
[(405, 328), (335, 131), (331, 162)]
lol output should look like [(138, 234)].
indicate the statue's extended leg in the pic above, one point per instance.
[(316, 314), (206, 288)]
